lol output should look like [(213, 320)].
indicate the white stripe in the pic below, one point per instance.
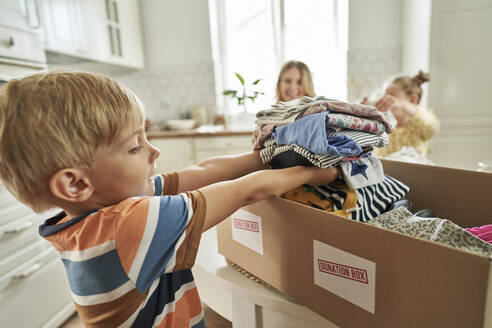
[(129, 322), (170, 307), (172, 261), (88, 253), (162, 184), (143, 247), (105, 297), (196, 319)]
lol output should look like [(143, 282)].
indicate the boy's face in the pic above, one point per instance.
[(124, 168)]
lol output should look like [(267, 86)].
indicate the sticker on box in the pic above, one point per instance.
[(351, 277), (246, 230)]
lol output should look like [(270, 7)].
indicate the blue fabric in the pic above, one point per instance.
[(97, 275), (310, 132), (173, 217)]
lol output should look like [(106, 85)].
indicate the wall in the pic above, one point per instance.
[(178, 70), (461, 52), (374, 46), (415, 36)]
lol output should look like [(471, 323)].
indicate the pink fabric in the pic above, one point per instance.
[(261, 133), (483, 232)]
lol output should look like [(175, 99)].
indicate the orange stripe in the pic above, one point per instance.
[(130, 228), (171, 183), (186, 254), (111, 314), (187, 307)]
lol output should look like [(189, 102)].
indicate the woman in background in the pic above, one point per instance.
[(294, 81), (416, 125)]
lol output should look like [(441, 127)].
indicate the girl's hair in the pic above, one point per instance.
[(306, 78), (412, 85), (51, 121)]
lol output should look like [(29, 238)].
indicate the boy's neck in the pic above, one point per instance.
[(73, 210)]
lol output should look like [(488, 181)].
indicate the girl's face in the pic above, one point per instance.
[(290, 86), (395, 90)]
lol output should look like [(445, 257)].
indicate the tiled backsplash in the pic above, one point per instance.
[(369, 69), (168, 92)]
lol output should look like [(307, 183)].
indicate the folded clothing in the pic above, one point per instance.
[(310, 133), (483, 232), (434, 229), (363, 172)]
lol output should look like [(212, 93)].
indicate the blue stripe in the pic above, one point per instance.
[(169, 284), (157, 186), (171, 224), (97, 275), (201, 324)]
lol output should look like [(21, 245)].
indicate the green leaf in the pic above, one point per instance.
[(257, 81), (240, 78), (229, 93), (258, 93)]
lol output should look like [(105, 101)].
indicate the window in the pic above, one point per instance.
[(255, 37)]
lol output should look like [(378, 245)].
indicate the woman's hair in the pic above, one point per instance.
[(51, 121), (306, 78), (412, 85)]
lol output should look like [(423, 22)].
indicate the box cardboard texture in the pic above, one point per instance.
[(417, 283)]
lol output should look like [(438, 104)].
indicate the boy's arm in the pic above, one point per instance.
[(217, 169), (224, 198)]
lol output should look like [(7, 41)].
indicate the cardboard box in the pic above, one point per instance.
[(357, 275)]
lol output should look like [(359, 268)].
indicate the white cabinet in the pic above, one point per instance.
[(216, 146), (176, 153), (179, 153), (125, 36), (63, 23), (105, 31), (32, 277)]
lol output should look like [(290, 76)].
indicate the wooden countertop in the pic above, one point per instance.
[(197, 133)]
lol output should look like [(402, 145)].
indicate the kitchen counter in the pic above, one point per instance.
[(207, 131)]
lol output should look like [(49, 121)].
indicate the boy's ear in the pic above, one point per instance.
[(71, 185)]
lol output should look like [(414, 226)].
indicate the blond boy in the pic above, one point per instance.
[(127, 238)]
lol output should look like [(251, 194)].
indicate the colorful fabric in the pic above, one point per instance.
[(128, 265), (434, 229), (366, 171), (303, 196), (261, 133), (344, 200), (483, 232), (287, 112), (335, 198), (355, 123), (310, 133), (272, 149), (364, 139)]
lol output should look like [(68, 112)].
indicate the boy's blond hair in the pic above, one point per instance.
[(57, 120)]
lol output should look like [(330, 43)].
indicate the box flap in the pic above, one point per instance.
[(461, 196)]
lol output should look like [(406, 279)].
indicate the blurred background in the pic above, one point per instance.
[(179, 56)]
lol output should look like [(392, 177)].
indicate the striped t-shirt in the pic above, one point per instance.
[(128, 265)]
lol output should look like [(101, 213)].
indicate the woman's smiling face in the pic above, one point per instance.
[(290, 86)]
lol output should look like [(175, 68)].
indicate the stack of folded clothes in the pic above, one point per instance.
[(327, 133)]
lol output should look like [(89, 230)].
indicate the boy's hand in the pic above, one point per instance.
[(224, 198), (217, 169), (323, 176)]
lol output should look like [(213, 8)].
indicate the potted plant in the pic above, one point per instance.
[(243, 95)]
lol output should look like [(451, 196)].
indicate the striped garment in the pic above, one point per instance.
[(128, 265), (371, 200), (272, 149), (374, 200)]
